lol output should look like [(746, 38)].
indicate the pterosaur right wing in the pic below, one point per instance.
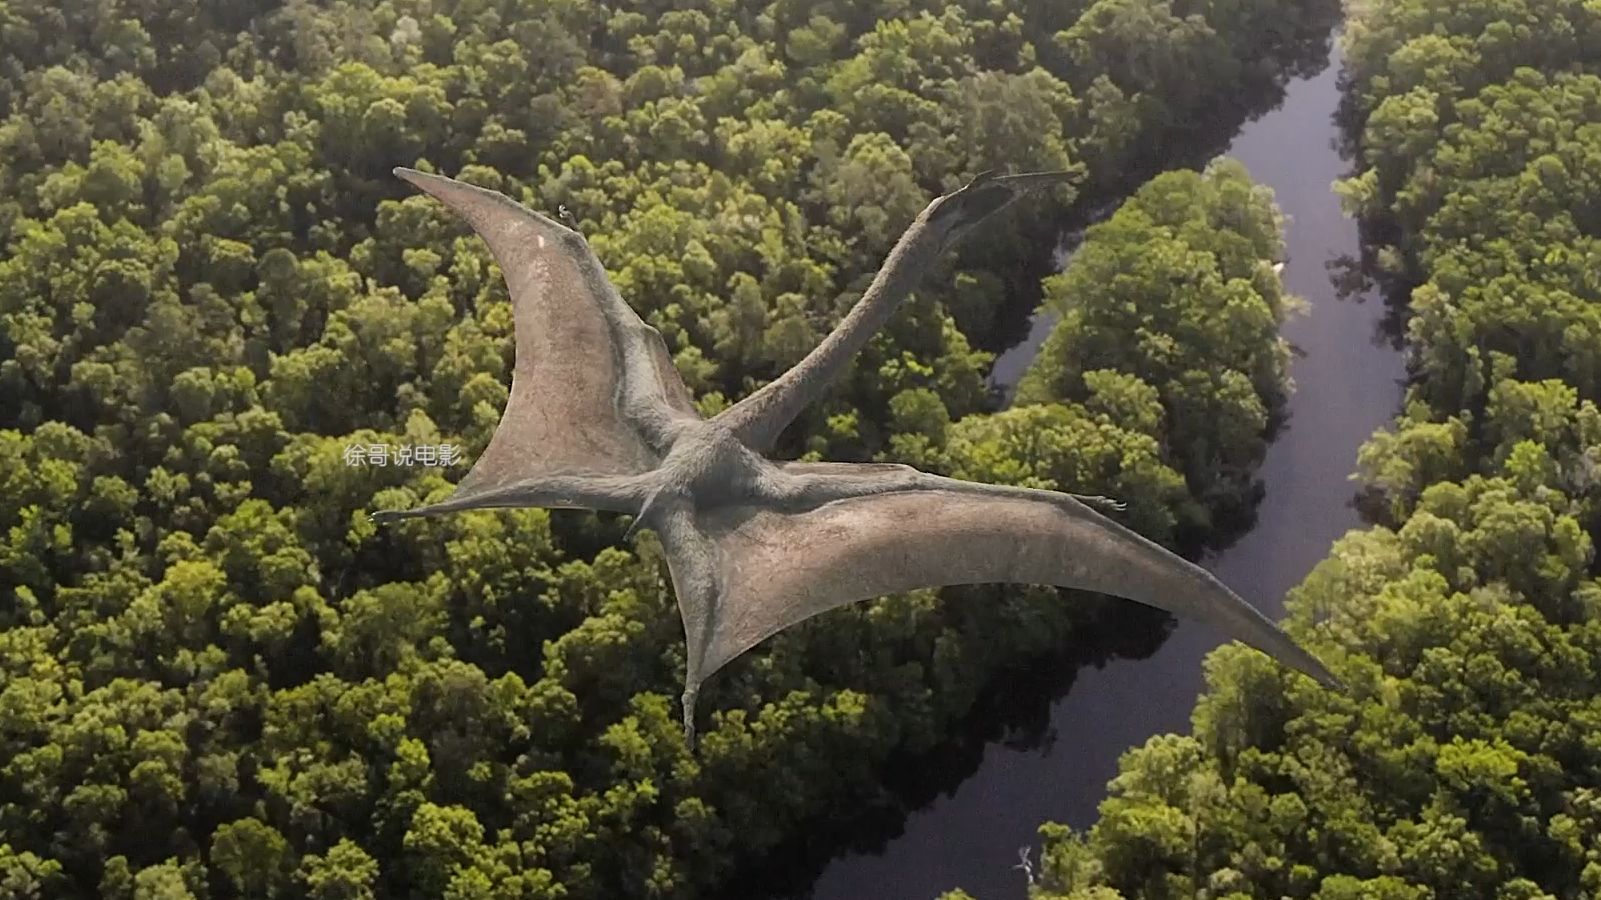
[(593, 388), (774, 568)]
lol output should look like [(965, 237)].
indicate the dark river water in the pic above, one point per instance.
[(1347, 385)]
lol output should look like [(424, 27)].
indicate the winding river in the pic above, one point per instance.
[(1347, 385)]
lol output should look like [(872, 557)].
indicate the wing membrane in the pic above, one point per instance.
[(777, 568), (592, 385)]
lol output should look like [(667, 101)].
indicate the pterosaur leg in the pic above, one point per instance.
[(809, 488), (605, 493), (810, 484), (806, 485), (691, 558)]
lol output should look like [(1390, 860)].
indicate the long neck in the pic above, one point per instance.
[(758, 419)]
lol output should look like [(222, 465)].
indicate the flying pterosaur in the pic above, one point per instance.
[(598, 418)]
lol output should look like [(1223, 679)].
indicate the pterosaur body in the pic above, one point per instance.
[(599, 419)]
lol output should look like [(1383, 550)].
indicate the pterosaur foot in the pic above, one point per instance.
[(689, 717), (1100, 501), (640, 519)]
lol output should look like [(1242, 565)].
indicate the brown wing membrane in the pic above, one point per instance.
[(590, 379), (776, 568)]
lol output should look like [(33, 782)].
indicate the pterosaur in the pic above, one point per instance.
[(598, 418)]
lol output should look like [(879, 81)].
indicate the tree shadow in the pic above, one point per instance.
[(1358, 279), (1013, 710), (1361, 277)]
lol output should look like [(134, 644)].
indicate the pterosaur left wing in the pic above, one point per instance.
[(773, 568), (593, 389)]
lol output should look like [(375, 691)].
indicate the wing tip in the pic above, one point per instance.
[(1327, 679), (1030, 181), (443, 188), (480, 205), (426, 181), (1332, 682), (1304, 662)]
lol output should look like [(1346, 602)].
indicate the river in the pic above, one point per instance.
[(1347, 385)]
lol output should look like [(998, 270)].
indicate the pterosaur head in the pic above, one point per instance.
[(954, 214)]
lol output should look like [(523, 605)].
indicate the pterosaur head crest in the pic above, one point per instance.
[(986, 195)]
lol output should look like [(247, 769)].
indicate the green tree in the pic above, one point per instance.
[(1465, 620)]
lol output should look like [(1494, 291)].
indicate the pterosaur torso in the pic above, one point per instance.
[(598, 418)]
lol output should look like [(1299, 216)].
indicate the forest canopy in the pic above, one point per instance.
[(218, 678), (1466, 761)]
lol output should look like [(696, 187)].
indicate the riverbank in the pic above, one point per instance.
[(1347, 385)]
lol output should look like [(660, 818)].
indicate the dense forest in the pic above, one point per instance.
[(218, 678), (1466, 761)]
